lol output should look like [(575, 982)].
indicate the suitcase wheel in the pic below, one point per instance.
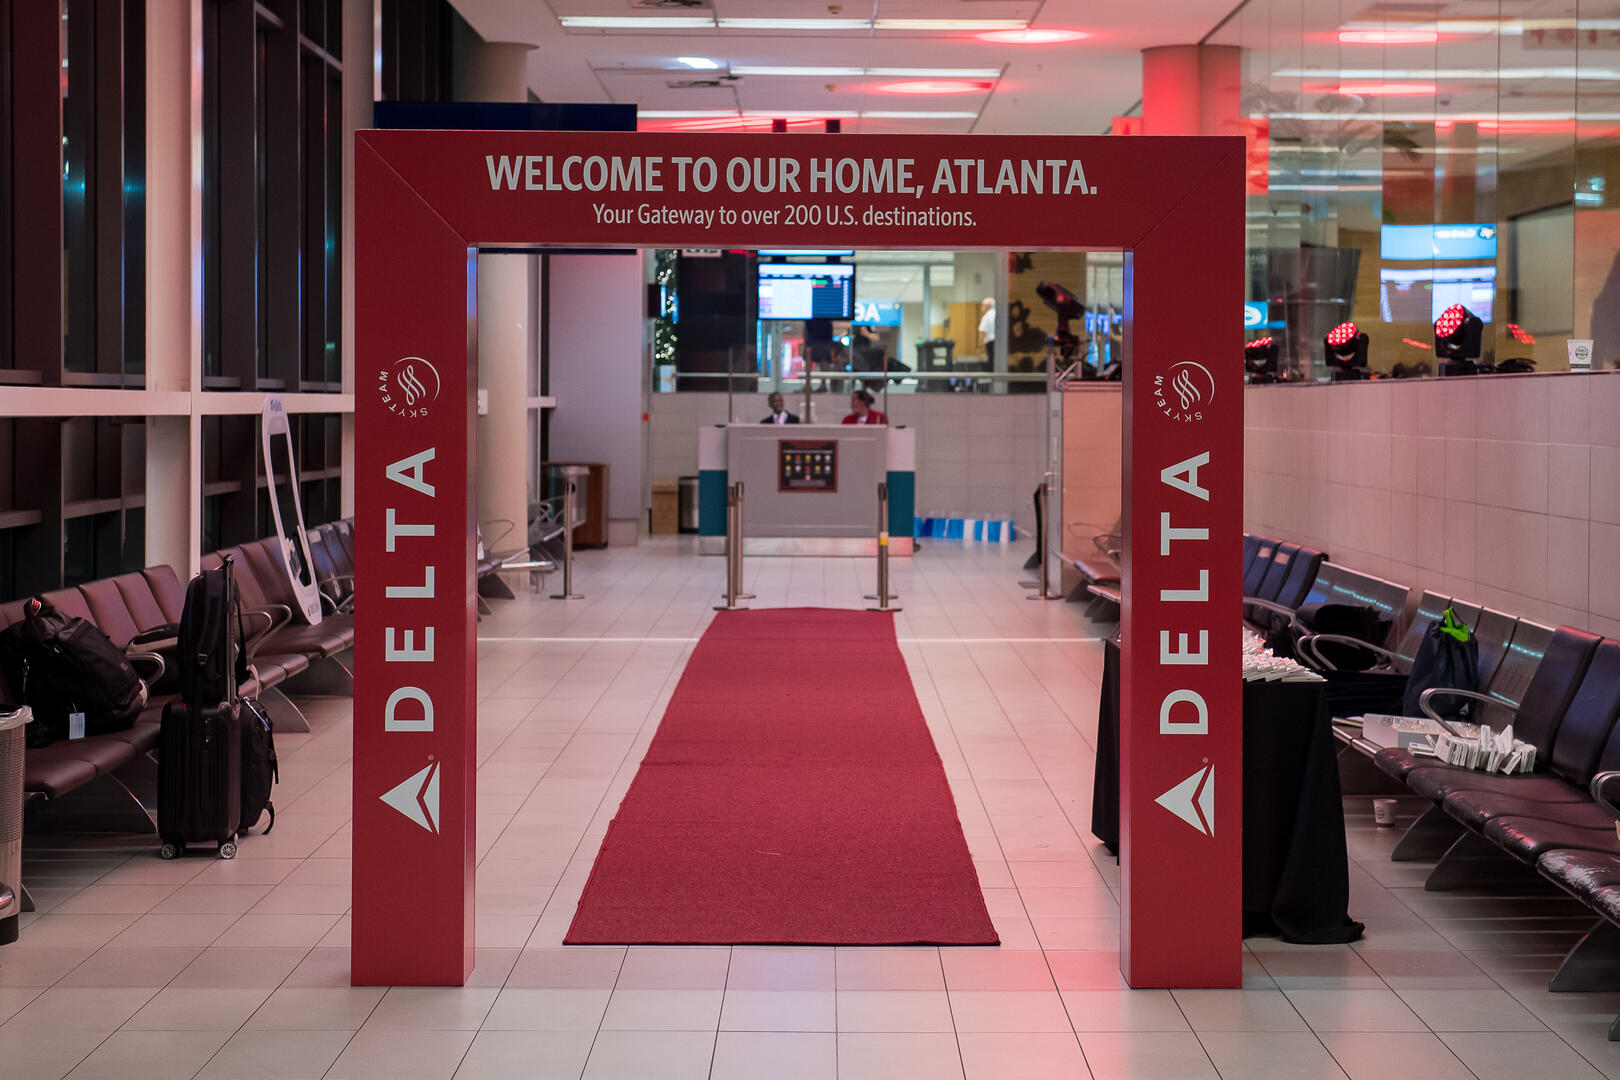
[(172, 849), (227, 849)]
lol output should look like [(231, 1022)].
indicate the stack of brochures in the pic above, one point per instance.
[(1260, 665)]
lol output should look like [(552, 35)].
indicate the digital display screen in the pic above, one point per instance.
[(1423, 242), (1419, 296), (806, 291)]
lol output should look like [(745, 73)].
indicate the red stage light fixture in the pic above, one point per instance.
[(1260, 360), (1345, 352), (1388, 37), (1520, 334), (1031, 36), (1457, 334), (936, 86)]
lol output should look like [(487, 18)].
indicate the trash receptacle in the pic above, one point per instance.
[(666, 517), (13, 719), (689, 504)]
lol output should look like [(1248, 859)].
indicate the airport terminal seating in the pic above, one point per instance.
[(130, 605)]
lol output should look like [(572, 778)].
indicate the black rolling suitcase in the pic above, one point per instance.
[(200, 777), (200, 743)]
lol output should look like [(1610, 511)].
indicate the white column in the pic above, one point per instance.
[(173, 308), (358, 87), (496, 71)]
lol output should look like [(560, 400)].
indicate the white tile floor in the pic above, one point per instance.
[(137, 968)]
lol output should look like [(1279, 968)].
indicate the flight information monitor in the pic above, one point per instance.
[(806, 291)]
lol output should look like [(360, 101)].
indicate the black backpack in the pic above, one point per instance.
[(211, 653), (63, 665), (260, 769)]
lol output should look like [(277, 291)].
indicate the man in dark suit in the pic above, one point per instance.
[(779, 413)]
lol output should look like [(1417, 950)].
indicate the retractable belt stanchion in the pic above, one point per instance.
[(733, 549), (741, 504), (883, 595), (568, 592), (1043, 579)]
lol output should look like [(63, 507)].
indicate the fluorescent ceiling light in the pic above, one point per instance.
[(819, 72), (950, 24), (917, 114), (856, 72), (1505, 27), (1388, 37), (937, 73), (795, 24), (703, 63), (637, 22), (1584, 74)]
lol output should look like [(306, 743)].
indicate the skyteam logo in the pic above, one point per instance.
[(409, 386), (1185, 392)]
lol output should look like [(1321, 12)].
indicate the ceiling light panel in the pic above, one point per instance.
[(857, 72), (782, 25), (944, 25), (636, 22)]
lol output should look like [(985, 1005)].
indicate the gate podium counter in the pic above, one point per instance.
[(808, 489)]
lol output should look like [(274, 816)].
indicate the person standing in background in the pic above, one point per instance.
[(861, 411), (779, 413), (987, 331)]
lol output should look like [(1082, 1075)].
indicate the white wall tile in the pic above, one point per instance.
[(1462, 469), (1604, 561), (1567, 569), (1569, 480), (1569, 409), (1606, 484), (1513, 474), (1603, 397)]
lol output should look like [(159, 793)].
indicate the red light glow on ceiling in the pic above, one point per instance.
[(1031, 36), (1388, 37), (1342, 334), (1450, 321), (724, 123), (936, 86), (1386, 89)]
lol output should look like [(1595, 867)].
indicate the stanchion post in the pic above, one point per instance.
[(733, 549), (883, 596), (568, 592), (1043, 579), (741, 504)]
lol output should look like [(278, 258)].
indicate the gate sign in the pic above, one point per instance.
[(426, 200)]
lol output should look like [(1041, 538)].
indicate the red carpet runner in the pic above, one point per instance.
[(792, 795)]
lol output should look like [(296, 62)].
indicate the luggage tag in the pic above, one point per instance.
[(76, 725)]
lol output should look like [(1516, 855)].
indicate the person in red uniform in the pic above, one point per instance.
[(861, 411)]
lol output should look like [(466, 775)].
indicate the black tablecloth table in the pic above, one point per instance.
[(1296, 870)]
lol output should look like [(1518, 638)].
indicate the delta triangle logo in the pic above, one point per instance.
[(418, 798), (1193, 800)]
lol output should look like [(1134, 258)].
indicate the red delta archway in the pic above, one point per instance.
[(425, 201)]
